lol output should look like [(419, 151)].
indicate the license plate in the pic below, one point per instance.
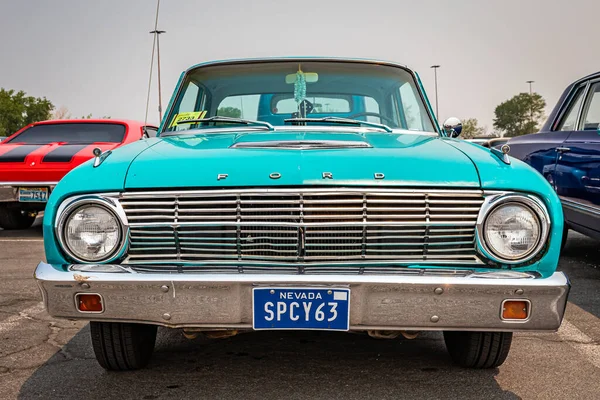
[(301, 308), (29, 194)]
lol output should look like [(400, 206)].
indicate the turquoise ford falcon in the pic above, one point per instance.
[(304, 193)]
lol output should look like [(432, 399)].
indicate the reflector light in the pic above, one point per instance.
[(515, 310), (91, 303)]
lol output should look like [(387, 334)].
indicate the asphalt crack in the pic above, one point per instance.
[(54, 331)]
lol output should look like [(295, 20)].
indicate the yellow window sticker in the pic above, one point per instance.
[(186, 116)]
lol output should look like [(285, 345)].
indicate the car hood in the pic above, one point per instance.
[(43, 162), (300, 158)]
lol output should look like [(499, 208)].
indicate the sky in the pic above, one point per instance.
[(94, 56)]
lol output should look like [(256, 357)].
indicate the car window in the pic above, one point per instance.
[(151, 131), (285, 104), (191, 101), (591, 112), (569, 119), (74, 133), (411, 105), (239, 107), (346, 89)]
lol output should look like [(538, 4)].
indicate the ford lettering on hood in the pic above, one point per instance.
[(301, 158)]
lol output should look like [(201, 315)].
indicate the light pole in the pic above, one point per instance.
[(435, 67), (158, 33), (531, 104)]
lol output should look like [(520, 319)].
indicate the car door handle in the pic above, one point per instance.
[(563, 149)]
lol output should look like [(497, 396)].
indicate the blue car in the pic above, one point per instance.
[(566, 152), (304, 194)]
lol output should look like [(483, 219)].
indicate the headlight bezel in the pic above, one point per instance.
[(495, 200), (71, 206)]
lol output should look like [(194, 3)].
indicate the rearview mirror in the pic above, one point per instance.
[(310, 77), (453, 127)]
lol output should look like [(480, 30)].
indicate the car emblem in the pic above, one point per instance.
[(222, 176), (274, 175), (327, 175), (379, 175)]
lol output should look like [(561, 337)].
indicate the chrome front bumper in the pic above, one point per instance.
[(9, 191), (390, 302)]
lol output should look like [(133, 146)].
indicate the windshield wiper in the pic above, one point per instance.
[(339, 120), (228, 120)]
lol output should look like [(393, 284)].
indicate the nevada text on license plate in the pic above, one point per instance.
[(301, 308)]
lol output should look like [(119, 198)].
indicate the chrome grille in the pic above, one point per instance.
[(302, 229)]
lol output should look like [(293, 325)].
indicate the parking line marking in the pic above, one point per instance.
[(21, 240), (12, 321), (581, 342)]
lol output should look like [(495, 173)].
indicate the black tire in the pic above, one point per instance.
[(564, 237), (478, 349), (122, 346), (14, 218)]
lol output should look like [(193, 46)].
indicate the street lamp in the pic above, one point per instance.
[(435, 67), (158, 33), (531, 104)]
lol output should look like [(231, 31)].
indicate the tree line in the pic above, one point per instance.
[(17, 110), (519, 115)]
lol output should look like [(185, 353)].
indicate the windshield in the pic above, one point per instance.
[(274, 92), (85, 133)]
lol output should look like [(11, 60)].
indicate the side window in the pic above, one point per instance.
[(191, 101), (190, 97), (411, 107), (591, 112), (569, 119), (151, 131)]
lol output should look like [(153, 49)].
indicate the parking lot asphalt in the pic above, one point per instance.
[(41, 357)]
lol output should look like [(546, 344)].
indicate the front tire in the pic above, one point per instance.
[(122, 346), (564, 237), (478, 350), (14, 218)]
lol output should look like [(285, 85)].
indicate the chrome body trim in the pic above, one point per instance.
[(580, 207), (9, 191), (253, 226), (70, 205), (399, 302), (100, 156), (502, 154), (535, 204), (16, 183), (301, 144)]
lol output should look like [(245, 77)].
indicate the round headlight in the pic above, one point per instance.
[(92, 233), (512, 231)]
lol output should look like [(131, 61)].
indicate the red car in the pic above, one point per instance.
[(35, 158)]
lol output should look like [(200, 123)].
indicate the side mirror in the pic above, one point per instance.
[(453, 127)]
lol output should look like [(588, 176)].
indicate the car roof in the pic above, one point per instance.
[(298, 59), (91, 121)]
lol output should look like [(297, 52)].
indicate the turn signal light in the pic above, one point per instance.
[(89, 303), (515, 309)]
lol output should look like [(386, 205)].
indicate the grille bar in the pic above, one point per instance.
[(302, 228)]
